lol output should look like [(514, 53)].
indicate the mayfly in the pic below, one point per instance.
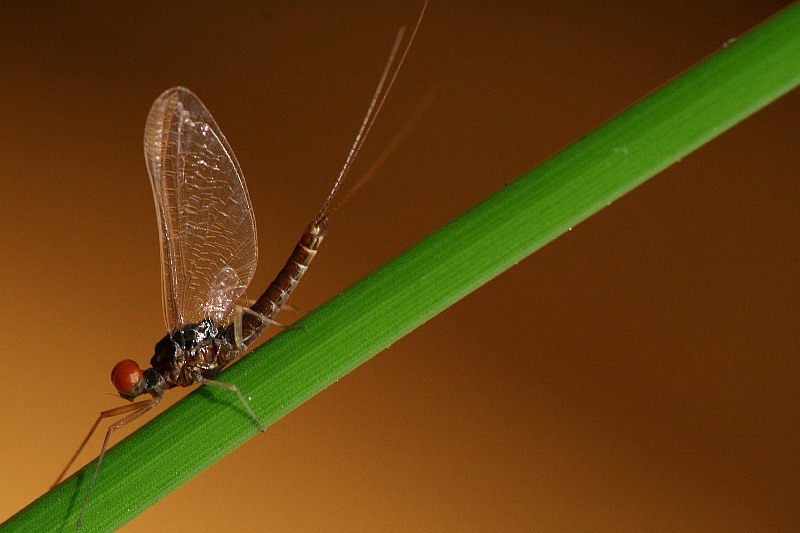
[(209, 251)]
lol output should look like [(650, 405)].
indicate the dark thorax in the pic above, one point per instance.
[(196, 350)]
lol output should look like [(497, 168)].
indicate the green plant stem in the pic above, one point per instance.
[(472, 249)]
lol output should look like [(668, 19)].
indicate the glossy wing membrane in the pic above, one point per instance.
[(206, 222)]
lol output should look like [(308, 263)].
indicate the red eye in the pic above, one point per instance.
[(125, 376)]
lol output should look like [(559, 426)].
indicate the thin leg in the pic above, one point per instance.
[(250, 302), (233, 388), (138, 408), (237, 328), (238, 335), (105, 414), (268, 320)]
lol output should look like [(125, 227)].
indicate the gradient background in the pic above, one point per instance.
[(639, 373)]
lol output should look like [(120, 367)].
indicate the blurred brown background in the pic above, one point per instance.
[(640, 373)]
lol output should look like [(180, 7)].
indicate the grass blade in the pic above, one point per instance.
[(478, 245)]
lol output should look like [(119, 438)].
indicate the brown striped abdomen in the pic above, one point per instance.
[(273, 299)]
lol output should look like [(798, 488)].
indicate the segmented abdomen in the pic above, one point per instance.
[(273, 299)]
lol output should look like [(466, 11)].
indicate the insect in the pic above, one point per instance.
[(209, 253)]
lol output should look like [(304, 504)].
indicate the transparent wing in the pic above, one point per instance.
[(206, 222)]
